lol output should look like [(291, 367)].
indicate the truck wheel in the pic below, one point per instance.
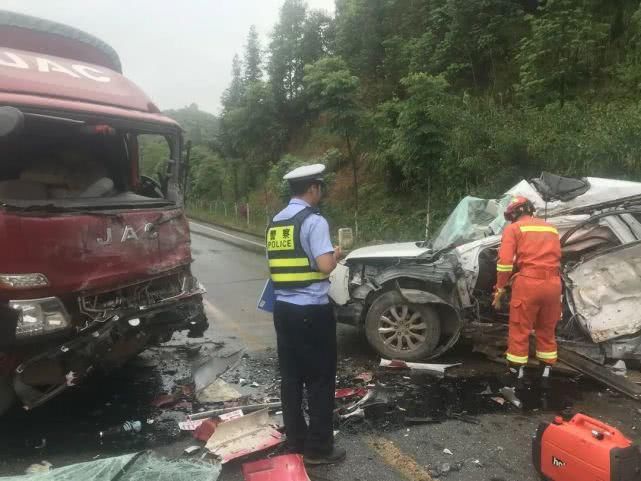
[(398, 329), (7, 395)]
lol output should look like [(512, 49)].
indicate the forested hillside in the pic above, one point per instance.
[(413, 103)]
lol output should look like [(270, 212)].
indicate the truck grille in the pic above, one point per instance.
[(139, 296)]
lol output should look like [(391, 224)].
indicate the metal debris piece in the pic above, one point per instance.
[(447, 451), (600, 373), (242, 436), (192, 449), (231, 415), (358, 413), (213, 368), (499, 400), (281, 468), (438, 369), (246, 409), (509, 394)]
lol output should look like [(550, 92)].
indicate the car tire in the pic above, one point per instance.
[(398, 329)]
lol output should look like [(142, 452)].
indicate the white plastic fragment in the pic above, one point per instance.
[(447, 451)]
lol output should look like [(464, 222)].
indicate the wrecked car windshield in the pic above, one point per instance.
[(472, 219)]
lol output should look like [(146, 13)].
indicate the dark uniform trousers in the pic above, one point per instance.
[(306, 338)]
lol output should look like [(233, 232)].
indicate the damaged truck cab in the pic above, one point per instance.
[(95, 257)]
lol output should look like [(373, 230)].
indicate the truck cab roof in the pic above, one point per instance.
[(46, 65)]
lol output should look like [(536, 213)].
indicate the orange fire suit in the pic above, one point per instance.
[(530, 258)]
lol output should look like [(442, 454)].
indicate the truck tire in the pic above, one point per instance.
[(7, 395), (397, 329)]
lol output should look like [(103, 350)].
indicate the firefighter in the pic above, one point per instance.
[(301, 257), (529, 260)]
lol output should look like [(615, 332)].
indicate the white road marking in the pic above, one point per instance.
[(226, 234)]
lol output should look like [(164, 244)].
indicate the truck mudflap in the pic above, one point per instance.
[(107, 346)]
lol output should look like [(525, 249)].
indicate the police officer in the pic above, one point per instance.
[(301, 257)]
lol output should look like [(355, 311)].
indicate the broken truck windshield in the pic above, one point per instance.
[(71, 164)]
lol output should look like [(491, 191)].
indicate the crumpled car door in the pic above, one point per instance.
[(605, 292)]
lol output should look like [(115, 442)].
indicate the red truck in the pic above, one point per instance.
[(94, 256)]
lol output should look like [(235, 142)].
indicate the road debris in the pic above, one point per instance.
[(130, 467), (349, 392), (231, 415), (206, 429), (245, 435), (437, 369), (218, 392), (510, 395), (447, 451), (192, 449), (190, 425), (210, 370), (403, 463), (246, 409), (499, 400), (41, 467), (365, 377), (281, 468), (128, 428)]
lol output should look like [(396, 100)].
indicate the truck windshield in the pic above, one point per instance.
[(67, 164)]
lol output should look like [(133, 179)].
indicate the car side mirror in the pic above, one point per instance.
[(11, 121)]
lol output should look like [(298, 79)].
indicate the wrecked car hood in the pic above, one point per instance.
[(606, 293), (382, 251)]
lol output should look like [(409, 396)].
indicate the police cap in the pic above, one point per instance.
[(305, 173)]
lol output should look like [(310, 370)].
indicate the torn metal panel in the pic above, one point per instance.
[(281, 468), (606, 291), (217, 392), (600, 373), (438, 369), (210, 370), (242, 436)]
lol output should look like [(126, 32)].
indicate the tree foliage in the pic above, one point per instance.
[(438, 97)]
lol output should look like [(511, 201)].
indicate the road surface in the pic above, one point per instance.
[(495, 445)]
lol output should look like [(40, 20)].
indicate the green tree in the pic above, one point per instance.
[(253, 62), (333, 91), (286, 62), (233, 96), (564, 52)]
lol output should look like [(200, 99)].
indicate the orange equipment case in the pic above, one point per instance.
[(584, 449)]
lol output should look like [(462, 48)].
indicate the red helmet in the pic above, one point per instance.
[(518, 206)]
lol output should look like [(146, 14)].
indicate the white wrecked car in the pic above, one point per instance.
[(416, 299)]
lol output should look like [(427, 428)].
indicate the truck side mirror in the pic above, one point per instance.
[(11, 121)]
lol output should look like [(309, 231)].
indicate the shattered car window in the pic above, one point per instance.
[(472, 219)]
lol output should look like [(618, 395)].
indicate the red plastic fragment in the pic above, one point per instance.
[(282, 468)]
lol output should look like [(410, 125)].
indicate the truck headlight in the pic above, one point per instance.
[(40, 316), (23, 281)]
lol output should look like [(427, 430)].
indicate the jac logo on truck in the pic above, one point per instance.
[(129, 234), (47, 65)]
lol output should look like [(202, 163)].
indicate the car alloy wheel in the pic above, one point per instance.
[(402, 328)]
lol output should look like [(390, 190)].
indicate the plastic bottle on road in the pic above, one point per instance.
[(127, 428)]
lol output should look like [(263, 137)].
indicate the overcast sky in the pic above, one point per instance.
[(179, 52)]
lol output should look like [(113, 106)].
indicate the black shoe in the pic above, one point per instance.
[(335, 456)]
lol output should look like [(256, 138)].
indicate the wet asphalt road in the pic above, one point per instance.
[(495, 447)]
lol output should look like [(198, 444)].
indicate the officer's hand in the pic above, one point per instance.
[(338, 253), (498, 297)]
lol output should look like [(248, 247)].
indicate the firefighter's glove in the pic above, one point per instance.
[(498, 299)]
